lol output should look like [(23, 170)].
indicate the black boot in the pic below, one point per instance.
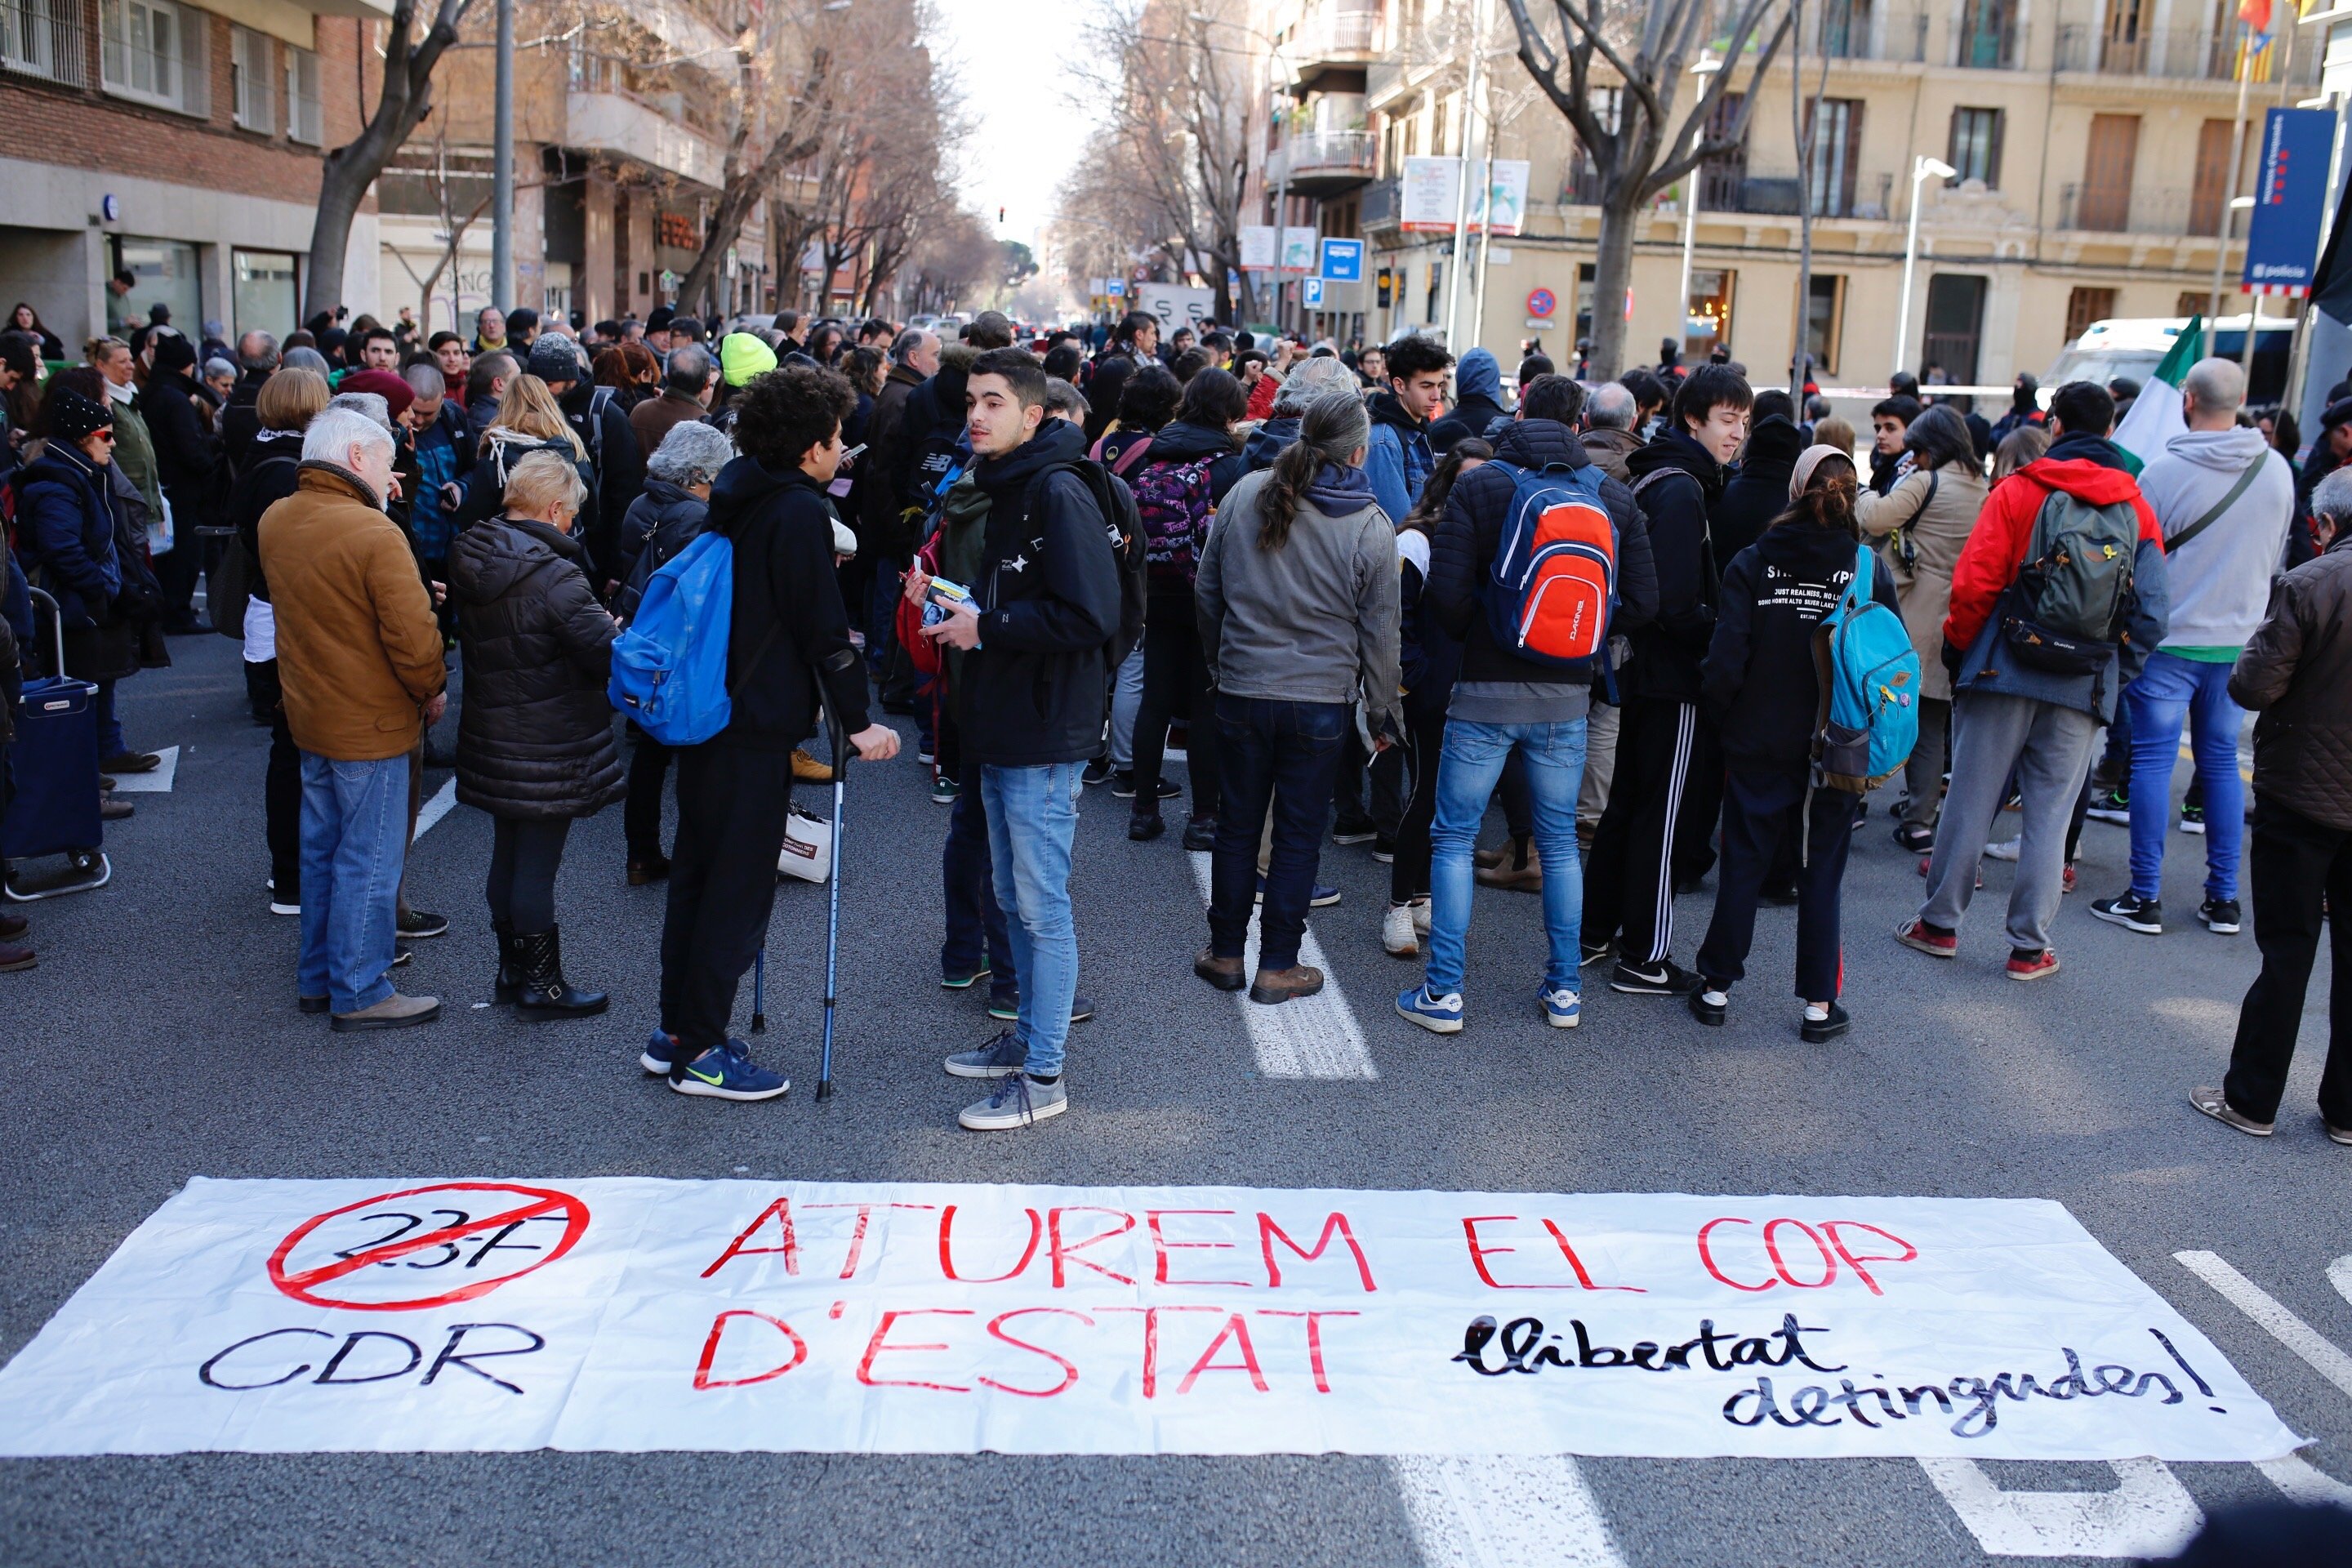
[(545, 994), (509, 982)]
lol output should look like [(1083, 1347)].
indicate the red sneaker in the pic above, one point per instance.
[(2068, 885), (1922, 937), (2039, 965)]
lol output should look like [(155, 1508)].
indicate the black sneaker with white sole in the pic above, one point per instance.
[(1664, 978), (2220, 916), (2132, 912), (2111, 806)]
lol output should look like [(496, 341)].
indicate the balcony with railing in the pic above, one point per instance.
[(1858, 30), (2169, 212), (1333, 39), (1325, 163), (2180, 54)]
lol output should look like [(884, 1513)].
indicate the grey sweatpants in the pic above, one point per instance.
[(1599, 762), (2050, 746)]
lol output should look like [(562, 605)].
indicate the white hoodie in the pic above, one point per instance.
[(2221, 580)]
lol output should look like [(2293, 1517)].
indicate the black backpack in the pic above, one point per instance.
[(1128, 544)]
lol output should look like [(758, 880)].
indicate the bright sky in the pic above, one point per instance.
[(1015, 59)]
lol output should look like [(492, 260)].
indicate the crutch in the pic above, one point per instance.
[(833, 900)]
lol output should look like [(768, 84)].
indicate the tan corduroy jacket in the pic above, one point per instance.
[(359, 652)]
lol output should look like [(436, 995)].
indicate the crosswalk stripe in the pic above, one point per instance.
[(1503, 1511), (2148, 1514), (1313, 1037), (2320, 1353), (2339, 1274), (434, 810), (2301, 1482)]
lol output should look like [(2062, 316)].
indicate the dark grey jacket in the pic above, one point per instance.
[(2298, 674), (535, 732)]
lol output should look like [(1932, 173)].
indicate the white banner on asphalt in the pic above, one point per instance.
[(276, 1316)]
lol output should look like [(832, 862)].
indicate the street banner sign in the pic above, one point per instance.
[(1257, 246), (1506, 197), (1343, 261), (1298, 250), (630, 1315), (1428, 193), (2290, 198)]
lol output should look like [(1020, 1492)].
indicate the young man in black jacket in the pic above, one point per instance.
[(1502, 703), (1046, 604), (734, 790), (1663, 741)]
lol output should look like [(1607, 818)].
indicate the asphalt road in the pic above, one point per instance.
[(158, 1041)]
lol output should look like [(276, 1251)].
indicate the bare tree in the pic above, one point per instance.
[(404, 96), (1649, 46), (1178, 129), (750, 169)]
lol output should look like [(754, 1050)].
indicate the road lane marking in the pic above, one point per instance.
[(1503, 1512), (2302, 1482), (1310, 1037), (157, 781), (2316, 1350), (2148, 1514), (436, 808), (2339, 1274)]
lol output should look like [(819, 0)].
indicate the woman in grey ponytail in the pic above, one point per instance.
[(1298, 603)]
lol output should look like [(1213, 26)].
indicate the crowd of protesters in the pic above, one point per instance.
[(1063, 555)]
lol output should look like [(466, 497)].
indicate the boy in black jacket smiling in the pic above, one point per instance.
[(1761, 688)]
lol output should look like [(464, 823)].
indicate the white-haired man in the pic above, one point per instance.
[(359, 656)]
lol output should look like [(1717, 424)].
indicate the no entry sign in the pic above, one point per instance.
[(642, 1315), (435, 1241)]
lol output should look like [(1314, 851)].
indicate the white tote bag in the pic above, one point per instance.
[(808, 847)]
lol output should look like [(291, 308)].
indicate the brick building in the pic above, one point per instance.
[(182, 143)]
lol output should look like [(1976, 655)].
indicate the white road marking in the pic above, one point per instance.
[(2339, 1274), (158, 780), (2147, 1515), (436, 808), (1312, 1036), (1502, 1512), (2301, 1482), (2281, 1325)]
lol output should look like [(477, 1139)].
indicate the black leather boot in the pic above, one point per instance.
[(509, 982), (545, 995)]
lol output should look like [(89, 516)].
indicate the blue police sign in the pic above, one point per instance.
[(1342, 261), (2283, 240)]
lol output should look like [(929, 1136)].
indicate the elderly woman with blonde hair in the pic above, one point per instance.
[(535, 744)]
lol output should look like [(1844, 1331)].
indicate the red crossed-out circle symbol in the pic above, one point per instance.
[(312, 1283), (1542, 302)]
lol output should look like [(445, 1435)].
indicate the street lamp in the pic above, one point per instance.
[(1923, 169), (1707, 65)]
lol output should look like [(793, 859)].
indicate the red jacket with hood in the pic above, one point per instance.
[(1995, 551)]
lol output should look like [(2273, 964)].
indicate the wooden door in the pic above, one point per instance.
[(2107, 167)]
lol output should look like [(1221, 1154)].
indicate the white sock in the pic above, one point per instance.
[(1817, 1012), (1716, 998)]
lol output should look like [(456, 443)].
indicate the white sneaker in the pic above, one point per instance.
[(1421, 916), (2003, 849), (1398, 934)]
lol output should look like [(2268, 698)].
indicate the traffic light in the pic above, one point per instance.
[(1000, 216), (1384, 286)]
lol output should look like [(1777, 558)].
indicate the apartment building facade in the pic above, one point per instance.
[(179, 143), (2091, 143), (619, 152)]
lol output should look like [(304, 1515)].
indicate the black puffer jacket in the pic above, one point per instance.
[(1759, 489), (1467, 536), (662, 521), (535, 735), (2298, 674)]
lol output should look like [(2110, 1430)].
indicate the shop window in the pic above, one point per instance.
[(1824, 321)]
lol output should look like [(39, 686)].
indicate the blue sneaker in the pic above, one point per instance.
[(1563, 1009), (1000, 1058), (1438, 1014), (661, 1052), (1319, 898), (727, 1072)]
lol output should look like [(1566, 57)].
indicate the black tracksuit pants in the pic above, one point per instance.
[(2294, 864), (1763, 810), (732, 802), (1629, 876)]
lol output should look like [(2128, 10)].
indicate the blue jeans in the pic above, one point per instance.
[(1033, 815), (1553, 756), (2168, 690), (110, 743), (1281, 756), (975, 920), (355, 840)]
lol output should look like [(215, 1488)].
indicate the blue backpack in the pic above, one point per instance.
[(1869, 674), (669, 668), (1553, 585)]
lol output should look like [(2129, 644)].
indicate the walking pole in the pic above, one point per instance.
[(833, 901)]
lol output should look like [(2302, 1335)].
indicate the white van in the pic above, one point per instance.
[(2135, 346)]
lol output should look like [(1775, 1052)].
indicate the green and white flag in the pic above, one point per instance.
[(2155, 417)]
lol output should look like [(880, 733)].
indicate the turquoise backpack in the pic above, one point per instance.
[(1869, 673)]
